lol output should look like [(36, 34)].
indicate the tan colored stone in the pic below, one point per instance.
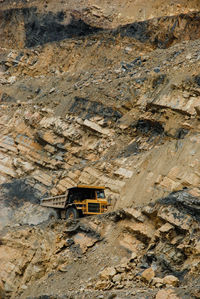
[(42, 177), (171, 280), (86, 178), (191, 179), (51, 138), (96, 127), (23, 149), (136, 214), (195, 192), (49, 148), (63, 267), (37, 157), (25, 143), (6, 160), (197, 247), (64, 184), (145, 232), (102, 285), (174, 173), (159, 179), (3, 179), (187, 125), (73, 175), (113, 188), (166, 228), (170, 185), (157, 281), (40, 188), (124, 173), (148, 274), (24, 287), (130, 242), (8, 143), (195, 163), (93, 172), (46, 122), (178, 102), (114, 185), (108, 273), (174, 217), (8, 171), (84, 241), (9, 286), (133, 256), (149, 210), (26, 166), (117, 278), (117, 183)]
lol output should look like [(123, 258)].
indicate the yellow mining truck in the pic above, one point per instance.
[(78, 201)]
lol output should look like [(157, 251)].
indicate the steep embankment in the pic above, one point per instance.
[(153, 250), (105, 125), (104, 95)]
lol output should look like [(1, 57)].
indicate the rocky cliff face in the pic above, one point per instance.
[(151, 250), (102, 94)]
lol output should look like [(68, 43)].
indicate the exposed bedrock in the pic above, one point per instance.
[(28, 27)]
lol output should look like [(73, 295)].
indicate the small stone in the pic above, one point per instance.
[(136, 214), (148, 274), (52, 90), (116, 278), (133, 257), (166, 228), (189, 56), (121, 268), (171, 280), (103, 284), (120, 286), (12, 79), (9, 286), (108, 273), (63, 268), (186, 95), (156, 281), (170, 184), (128, 49), (156, 69)]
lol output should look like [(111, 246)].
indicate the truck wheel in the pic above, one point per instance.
[(71, 213), (53, 215)]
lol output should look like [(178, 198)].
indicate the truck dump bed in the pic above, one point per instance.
[(54, 201)]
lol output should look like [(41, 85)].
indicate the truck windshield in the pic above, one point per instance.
[(100, 194)]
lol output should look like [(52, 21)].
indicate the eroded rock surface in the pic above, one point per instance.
[(55, 250), (100, 94)]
